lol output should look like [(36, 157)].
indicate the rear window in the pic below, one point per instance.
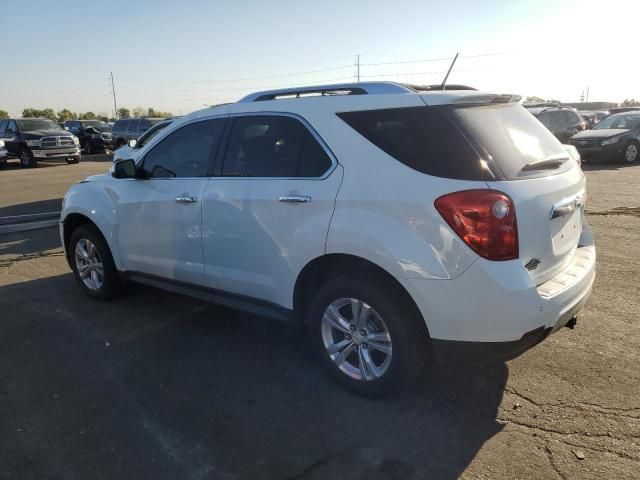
[(426, 139), (513, 138)]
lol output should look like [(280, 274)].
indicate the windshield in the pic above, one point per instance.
[(619, 121), (28, 125), (102, 126), (144, 139)]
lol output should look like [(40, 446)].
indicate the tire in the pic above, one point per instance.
[(27, 160), (392, 321), (86, 241), (89, 149), (3, 163), (631, 152), (73, 160)]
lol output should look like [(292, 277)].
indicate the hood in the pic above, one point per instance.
[(47, 133), (599, 133)]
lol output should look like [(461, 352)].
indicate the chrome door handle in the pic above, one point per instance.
[(186, 199), (295, 198)]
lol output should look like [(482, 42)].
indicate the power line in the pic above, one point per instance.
[(308, 72)]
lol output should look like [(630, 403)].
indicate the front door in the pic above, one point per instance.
[(160, 217), (267, 215)]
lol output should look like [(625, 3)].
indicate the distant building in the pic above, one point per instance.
[(592, 105)]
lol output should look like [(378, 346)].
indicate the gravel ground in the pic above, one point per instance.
[(159, 386)]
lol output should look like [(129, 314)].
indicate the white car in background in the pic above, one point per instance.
[(395, 221), (133, 147), (4, 154)]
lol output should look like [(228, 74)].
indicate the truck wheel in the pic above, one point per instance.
[(89, 148), (27, 160), (368, 336)]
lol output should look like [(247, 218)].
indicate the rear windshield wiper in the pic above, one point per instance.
[(547, 164)]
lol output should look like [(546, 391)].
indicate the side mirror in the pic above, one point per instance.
[(132, 143), (124, 169)]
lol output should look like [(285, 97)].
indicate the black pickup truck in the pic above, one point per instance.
[(94, 135), (34, 139)]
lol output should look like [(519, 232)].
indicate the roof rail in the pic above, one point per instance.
[(427, 88), (362, 88)]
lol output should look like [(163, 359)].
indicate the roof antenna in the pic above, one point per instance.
[(442, 86)]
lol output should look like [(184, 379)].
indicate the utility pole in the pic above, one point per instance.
[(113, 89), (358, 66), (587, 95)]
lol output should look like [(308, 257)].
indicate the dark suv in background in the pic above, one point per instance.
[(563, 122), (130, 129), (94, 135), (34, 139)]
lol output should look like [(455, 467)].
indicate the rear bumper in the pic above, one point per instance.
[(494, 308)]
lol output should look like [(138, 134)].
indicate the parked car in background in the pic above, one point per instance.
[(35, 139), (613, 111), (94, 135), (601, 115), (333, 207), (563, 122), (127, 129), (617, 137), (133, 147), (4, 154)]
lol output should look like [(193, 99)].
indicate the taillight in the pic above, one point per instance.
[(484, 219)]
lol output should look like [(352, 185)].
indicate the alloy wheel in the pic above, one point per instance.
[(356, 339), (89, 264), (631, 153)]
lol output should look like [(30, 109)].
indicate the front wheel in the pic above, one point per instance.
[(631, 152), (367, 334), (27, 160), (92, 263)]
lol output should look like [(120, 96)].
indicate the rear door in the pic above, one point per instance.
[(267, 214), (546, 186)]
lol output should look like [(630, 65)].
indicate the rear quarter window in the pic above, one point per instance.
[(426, 139)]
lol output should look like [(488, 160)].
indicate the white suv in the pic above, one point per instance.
[(398, 222)]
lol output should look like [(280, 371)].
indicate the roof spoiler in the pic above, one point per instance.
[(487, 98)]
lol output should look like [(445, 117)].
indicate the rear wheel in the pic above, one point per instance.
[(631, 152), (89, 149), (92, 263), (367, 335), (27, 160)]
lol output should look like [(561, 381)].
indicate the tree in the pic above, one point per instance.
[(88, 116), (34, 112), (3, 114), (64, 115), (158, 114), (123, 113), (630, 102), (138, 112)]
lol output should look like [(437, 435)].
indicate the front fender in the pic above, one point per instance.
[(91, 200)]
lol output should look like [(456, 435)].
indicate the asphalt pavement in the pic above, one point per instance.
[(159, 386)]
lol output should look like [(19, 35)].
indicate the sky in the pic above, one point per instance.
[(179, 56)]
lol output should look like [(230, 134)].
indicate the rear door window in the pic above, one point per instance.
[(121, 125), (133, 125), (273, 146), (558, 120), (426, 139)]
